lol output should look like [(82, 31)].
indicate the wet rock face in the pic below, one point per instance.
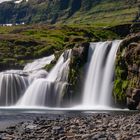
[(76, 76), (133, 100), (128, 65), (132, 58)]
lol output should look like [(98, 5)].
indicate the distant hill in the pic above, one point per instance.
[(99, 12)]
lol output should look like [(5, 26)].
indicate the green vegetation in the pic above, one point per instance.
[(120, 84), (19, 44), (76, 66), (127, 68), (120, 89), (90, 12)]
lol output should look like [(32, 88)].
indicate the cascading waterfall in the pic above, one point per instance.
[(48, 91), (43, 93), (99, 80), (34, 86), (35, 69), (38, 63), (12, 87), (14, 83)]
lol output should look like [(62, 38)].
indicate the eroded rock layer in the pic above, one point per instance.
[(127, 79)]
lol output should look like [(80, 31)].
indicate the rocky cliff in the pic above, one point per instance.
[(127, 80)]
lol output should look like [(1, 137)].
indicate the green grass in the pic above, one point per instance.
[(93, 12), (19, 44), (107, 13)]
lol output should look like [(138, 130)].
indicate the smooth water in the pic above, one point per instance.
[(38, 64), (34, 87), (12, 87), (48, 91), (99, 80)]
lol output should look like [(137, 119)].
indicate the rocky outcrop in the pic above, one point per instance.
[(127, 80), (76, 73), (133, 98)]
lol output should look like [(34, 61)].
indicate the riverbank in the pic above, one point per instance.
[(70, 126)]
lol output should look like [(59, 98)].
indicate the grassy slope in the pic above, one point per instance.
[(19, 44), (94, 12), (107, 13)]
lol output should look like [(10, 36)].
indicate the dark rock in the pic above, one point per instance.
[(86, 136), (28, 130), (132, 105), (41, 122), (98, 136), (127, 77), (78, 137), (12, 127), (129, 92), (133, 98), (63, 138), (122, 30), (136, 95)]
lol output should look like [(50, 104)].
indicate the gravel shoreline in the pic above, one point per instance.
[(77, 126)]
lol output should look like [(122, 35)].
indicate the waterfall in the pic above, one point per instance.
[(12, 87), (99, 79), (38, 63), (37, 74), (43, 93), (48, 91), (34, 86), (35, 68)]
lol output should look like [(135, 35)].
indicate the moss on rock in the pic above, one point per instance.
[(127, 74)]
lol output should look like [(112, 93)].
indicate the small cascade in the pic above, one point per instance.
[(99, 80), (43, 93), (12, 87), (48, 91), (38, 64), (37, 74), (61, 69), (14, 83)]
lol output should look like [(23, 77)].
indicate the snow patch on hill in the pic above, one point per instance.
[(16, 1)]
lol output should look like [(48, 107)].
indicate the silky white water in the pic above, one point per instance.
[(99, 79), (14, 83), (35, 87), (38, 63), (48, 91), (12, 87)]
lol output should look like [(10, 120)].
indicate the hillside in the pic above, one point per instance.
[(19, 44), (97, 12), (73, 24)]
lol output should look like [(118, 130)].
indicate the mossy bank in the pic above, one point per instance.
[(21, 44), (127, 72)]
